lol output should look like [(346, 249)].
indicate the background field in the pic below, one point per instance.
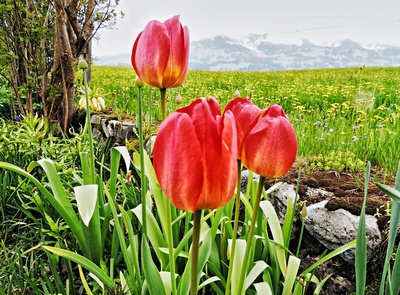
[(343, 117)]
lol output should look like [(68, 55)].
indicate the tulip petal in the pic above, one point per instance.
[(86, 198), (215, 135), (177, 68), (245, 113), (151, 52), (270, 148), (177, 158), (195, 156), (160, 54), (222, 174)]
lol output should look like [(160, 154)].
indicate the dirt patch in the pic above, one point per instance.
[(346, 190)]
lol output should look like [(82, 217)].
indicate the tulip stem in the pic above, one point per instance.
[(142, 172), (163, 92), (235, 226), (88, 127), (251, 234), (170, 240), (195, 252)]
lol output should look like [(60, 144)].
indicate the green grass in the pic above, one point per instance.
[(342, 117), (347, 114)]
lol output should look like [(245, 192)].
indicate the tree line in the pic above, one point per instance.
[(41, 43)]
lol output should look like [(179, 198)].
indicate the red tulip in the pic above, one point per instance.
[(195, 156), (245, 112), (160, 54), (270, 147)]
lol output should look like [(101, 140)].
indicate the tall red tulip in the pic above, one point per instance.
[(270, 146), (160, 53), (195, 156), (245, 112)]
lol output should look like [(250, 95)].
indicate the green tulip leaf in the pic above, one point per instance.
[(166, 279), (155, 235), (390, 191), (274, 225), (291, 274), (59, 200), (151, 273), (84, 262), (263, 288), (237, 265), (257, 269), (330, 255)]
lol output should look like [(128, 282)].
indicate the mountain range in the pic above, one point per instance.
[(256, 52)]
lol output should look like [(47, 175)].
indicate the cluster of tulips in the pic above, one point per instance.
[(199, 149)]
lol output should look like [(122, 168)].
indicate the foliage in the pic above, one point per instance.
[(35, 66), (159, 262)]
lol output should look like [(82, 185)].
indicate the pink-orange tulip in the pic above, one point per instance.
[(245, 112), (160, 53), (195, 156), (270, 146)]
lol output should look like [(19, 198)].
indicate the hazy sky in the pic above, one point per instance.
[(287, 21)]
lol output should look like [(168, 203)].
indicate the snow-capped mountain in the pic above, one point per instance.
[(258, 53)]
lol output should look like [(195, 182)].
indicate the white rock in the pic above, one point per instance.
[(336, 228)]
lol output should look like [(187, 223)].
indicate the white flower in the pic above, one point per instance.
[(86, 198)]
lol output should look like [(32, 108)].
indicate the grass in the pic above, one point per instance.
[(347, 114)]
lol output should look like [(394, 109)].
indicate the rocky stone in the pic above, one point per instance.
[(119, 131), (95, 119), (150, 144), (279, 199), (336, 228), (245, 178)]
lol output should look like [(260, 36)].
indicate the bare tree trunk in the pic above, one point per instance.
[(63, 72)]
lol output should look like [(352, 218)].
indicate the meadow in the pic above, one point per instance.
[(342, 117)]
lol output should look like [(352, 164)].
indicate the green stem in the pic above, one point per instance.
[(251, 233), (300, 238), (195, 252), (235, 226), (142, 172), (92, 233), (288, 235), (170, 247), (89, 130), (163, 92)]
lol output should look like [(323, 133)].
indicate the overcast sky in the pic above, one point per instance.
[(285, 21)]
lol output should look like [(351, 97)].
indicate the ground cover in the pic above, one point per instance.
[(342, 117)]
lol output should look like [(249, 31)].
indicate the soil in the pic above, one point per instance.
[(348, 190)]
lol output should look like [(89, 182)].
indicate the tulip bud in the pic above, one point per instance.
[(138, 82), (303, 211), (237, 93), (178, 98), (197, 144), (270, 146), (83, 65), (160, 54)]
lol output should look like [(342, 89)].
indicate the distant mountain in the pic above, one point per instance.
[(257, 53)]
